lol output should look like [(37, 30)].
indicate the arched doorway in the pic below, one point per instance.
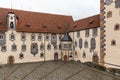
[(56, 56), (95, 58), (11, 59), (65, 57)]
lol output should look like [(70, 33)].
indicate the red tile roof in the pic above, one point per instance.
[(86, 23), (36, 22), (44, 22)]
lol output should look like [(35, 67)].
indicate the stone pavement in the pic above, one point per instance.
[(53, 70)]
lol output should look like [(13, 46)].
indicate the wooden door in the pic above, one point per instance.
[(11, 60), (65, 58)]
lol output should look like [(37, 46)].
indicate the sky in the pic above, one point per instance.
[(77, 8)]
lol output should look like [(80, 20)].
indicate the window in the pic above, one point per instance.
[(117, 27), (95, 32), (55, 47), (49, 47), (21, 55), (78, 34), (41, 46), (93, 43), (75, 43), (109, 14), (65, 46), (41, 54), (84, 55), (33, 37), (34, 49), (1, 37), (40, 37), (14, 47), (70, 46), (11, 18), (60, 46), (76, 53), (53, 38), (87, 33), (108, 2), (113, 43), (117, 3), (60, 37), (3, 48), (47, 37), (23, 36), (11, 25), (23, 47), (86, 44), (80, 43), (12, 36)]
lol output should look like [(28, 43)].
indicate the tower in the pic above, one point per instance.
[(110, 26)]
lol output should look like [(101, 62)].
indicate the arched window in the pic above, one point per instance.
[(11, 25), (84, 55), (39, 37), (14, 47), (109, 14), (80, 43), (117, 27), (23, 36), (75, 43), (93, 43), (23, 47), (34, 48), (113, 43), (41, 46), (3, 48), (12, 36), (21, 55), (86, 44), (33, 37), (49, 47)]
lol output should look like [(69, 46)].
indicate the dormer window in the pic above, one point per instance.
[(11, 25), (11, 18), (27, 25)]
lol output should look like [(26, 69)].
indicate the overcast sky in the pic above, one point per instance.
[(77, 8)]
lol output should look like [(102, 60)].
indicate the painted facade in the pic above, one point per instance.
[(22, 41)]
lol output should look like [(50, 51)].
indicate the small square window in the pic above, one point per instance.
[(113, 43), (117, 27), (42, 55)]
